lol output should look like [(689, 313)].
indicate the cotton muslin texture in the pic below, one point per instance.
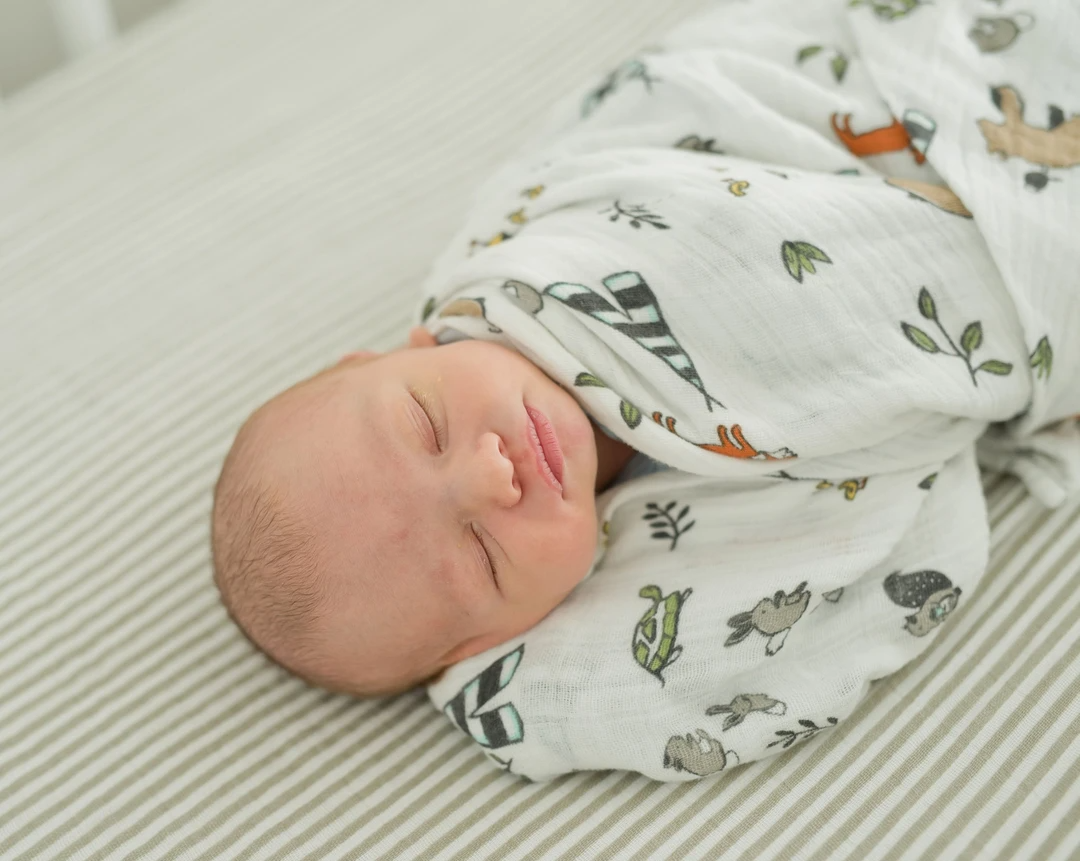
[(741, 253)]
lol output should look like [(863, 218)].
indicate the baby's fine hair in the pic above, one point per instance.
[(268, 569), (266, 565)]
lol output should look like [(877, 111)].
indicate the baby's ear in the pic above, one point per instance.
[(421, 337)]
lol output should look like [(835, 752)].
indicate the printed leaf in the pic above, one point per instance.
[(662, 535), (920, 339), (1042, 359), (652, 505), (805, 249), (808, 723), (429, 306), (652, 515), (682, 513), (587, 379), (630, 414), (808, 265), (792, 260), (670, 506), (993, 366), (972, 337), (926, 305), (807, 52), (839, 65), (686, 528)]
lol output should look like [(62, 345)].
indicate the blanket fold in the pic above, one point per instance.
[(779, 252)]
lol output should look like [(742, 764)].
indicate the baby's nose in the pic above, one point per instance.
[(498, 482)]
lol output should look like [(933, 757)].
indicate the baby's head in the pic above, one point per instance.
[(396, 513)]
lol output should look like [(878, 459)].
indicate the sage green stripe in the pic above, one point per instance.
[(240, 791), (537, 793), (95, 526), (541, 849), (1055, 752), (95, 685), (1011, 755), (65, 597), (218, 755), (94, 627), (258, 701), (635, 803), (935, 733), (581, 785), (411, 735), (100, 739), (413, 751), (434, 792), (1065, 788), (201, 641), (105, 744), (367, 733), (432, 817), (794, 772), (1065, 826), (489, 809)]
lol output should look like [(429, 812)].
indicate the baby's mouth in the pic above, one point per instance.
[(546, 446)]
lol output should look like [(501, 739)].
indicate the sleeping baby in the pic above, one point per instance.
[(400, 512), (685, 450)]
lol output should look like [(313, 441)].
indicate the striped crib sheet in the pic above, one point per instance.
[(239, 193)]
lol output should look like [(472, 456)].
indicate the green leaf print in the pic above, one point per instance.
[(429, 306), (587, 379), (791, 260), (630, 414), (839, 65), (970, 340), (808, 52), (811, 252), (799, 256), (920, 339), (1042, 359), (926, 305), (972, 337)]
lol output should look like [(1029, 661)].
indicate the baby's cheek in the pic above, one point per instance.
[(578, 539)]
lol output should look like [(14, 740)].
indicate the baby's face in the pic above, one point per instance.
[(453, 490)]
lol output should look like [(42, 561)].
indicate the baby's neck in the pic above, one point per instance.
[(611, 456)]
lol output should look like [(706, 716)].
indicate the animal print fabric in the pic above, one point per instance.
[(818, 258)]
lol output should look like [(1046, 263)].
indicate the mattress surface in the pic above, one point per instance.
[(235, 196)]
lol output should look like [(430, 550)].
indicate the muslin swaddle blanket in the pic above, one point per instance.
[(739, 252)]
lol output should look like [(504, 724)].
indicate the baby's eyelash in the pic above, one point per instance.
[(491, 561), (436, 425)]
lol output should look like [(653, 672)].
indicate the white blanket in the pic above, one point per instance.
[(737, 252)]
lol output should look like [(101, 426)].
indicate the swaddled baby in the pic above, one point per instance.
[(735, 256), (402, 511)]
